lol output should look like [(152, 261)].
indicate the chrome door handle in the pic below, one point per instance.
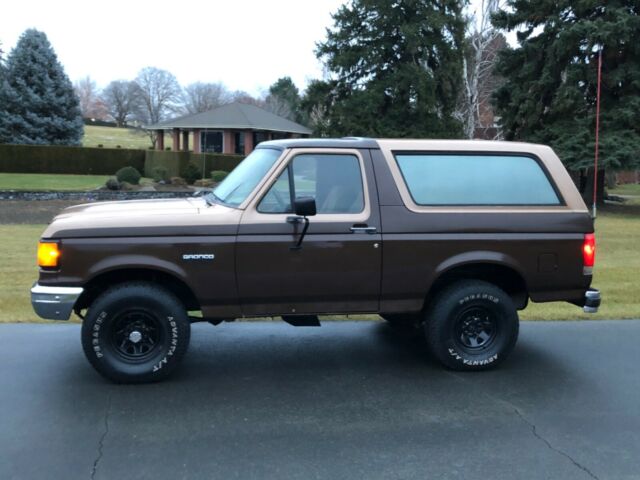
[(369, 230)]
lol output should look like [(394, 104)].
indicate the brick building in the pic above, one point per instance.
[(233, 128)]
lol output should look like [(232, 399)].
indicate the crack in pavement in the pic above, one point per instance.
[(531, 426), (551, 447), (102, 438)]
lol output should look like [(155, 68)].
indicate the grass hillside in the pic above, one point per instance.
[(110, 137)]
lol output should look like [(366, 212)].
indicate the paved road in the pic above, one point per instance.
[(348, 400)]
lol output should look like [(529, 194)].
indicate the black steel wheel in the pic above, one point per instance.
[(471, 325), (475, 328), (136, 332), (136, 335)]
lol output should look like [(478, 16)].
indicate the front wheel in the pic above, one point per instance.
[(136, 333), (472, 325)]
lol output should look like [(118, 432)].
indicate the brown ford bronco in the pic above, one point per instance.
[(453, 236)]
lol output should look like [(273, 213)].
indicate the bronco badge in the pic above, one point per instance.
[(198, 256)]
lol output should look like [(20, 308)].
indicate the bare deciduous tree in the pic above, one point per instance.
[(121, 100), (159, 93), (241, 96), (91, 104), (279, 106), (483, 45), (202, 97)]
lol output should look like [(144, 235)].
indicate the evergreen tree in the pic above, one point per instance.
[(551, 79), (284, 99), (396, 68), (2, 68), (37, 102)]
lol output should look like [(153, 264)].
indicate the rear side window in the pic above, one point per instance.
[(437, 179)]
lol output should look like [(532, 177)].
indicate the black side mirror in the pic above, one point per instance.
[(305, 206)]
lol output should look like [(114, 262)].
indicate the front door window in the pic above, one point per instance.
[(333, 180)]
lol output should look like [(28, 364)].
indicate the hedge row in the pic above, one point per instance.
[(176, 162), (71, 160), (106, 161)]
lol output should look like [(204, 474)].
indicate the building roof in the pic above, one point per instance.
[(236, 116)]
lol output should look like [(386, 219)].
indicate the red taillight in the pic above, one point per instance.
[(589, 250)]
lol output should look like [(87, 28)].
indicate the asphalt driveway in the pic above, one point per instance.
[(347, 400)]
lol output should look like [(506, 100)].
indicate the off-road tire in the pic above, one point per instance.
[(136, 332), (471, 325)]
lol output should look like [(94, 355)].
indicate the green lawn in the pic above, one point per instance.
[(41, 181), (110, 137), (626, 189), (616, 273), (18, 271)]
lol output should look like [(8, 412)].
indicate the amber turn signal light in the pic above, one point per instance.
[(48, 254)]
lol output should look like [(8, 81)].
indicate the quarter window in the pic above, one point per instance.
[(334, 181), (437, 179)]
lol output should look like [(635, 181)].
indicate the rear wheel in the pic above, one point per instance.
[(471, 325), (136, 333)]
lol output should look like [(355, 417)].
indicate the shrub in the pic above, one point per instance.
[(129, 175), (191, 173), (177, 181), (175, 162), (218, 175), (160, 174), (112, 184), (204, 182)]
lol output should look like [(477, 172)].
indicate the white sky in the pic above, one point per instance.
[(246, 44)]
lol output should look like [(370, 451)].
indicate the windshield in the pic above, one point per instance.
[(243, 179)]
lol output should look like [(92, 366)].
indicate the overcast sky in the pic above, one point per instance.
[(246, 44)]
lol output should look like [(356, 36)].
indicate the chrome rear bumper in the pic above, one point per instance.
[(591, 301), (54, 303)]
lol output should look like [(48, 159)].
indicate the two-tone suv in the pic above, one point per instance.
[(455, 236)]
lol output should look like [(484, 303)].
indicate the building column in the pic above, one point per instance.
[(196, 141), (248, 142), (175, 138), (185, 140), (159, 139), (228, 142)]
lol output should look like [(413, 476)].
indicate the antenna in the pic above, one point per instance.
[(203, 147), (595, 162)]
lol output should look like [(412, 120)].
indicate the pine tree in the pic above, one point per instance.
[(551, 79), (2, 68), (396, 68), (284, 99), (37, 101)]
